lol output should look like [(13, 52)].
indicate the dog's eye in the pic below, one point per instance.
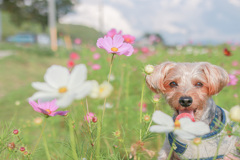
[(173, 84), (199, 84)]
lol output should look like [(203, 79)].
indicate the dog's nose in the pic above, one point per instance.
[(185, 101)]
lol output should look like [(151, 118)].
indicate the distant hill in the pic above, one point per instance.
[(86, 34)]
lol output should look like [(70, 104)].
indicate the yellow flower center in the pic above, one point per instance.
[(114, 49), (62, 90), (101, 90), (48, 110), (177, 124), (127, 40)]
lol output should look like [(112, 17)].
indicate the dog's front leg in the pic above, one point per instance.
[(164, 152)]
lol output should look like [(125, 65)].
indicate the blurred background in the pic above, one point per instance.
[(35, 34), (176, 21)]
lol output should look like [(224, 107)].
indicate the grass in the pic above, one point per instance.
[(69, 137)]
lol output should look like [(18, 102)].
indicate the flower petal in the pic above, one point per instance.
[(78, 76), (34, 105), (57, 76), (107, 43), (44, 96), (126, 49), (195, 128), (100, 42), (183, 134), (61, 113), (95, 89), (162, 119), (42, 86), (84, 90), (161, 129), (65, 100), (117, 41)]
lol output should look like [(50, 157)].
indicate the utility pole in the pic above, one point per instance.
[(52, 24), (1, 20), (101, 16)]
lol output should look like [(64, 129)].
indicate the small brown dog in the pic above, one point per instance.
[(188, 88)]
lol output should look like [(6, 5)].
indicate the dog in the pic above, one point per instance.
[(188, 88)]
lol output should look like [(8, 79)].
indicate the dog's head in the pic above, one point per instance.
[(187, 86)]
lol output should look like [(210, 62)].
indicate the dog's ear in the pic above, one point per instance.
[(155, 80), (216, 76)]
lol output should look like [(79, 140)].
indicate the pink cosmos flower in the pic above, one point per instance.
[(96, 56), (234, 63), (237, 72), (129, 39), (113, 32), (96, 67), (47, 108), (74, 56), (115, 45), (144, 106), (235, 95), (93, 49), (78, 41), (89, 116), (70, 63), (145, 50), (232, 80)]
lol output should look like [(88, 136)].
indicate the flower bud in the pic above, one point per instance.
[(234, 113), (94, 119), (22, 149), (146, 118), (117, 133), (16, 131), (148, 69), (11, 146), (197, 141)]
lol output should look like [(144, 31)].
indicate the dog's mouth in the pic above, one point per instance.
[(187, 113)]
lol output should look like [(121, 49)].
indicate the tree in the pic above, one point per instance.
[(34, 11)]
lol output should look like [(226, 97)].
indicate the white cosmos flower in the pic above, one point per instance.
[(101, 91), (234, 113), (62, 85), (184, 128)]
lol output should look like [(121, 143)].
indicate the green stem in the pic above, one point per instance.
[(105, 99), (125, 149), (155, 106), (104, 107), (171, 151), (73, 145), (46, 147), (44, 125), (218, 147), (140, 118)]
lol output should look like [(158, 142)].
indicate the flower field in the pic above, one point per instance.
[(110, 120)]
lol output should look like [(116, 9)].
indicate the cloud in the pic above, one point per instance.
[(88, 14), (235, 2), (176, 20)]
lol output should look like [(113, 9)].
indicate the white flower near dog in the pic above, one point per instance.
[(101, 91), (184, 128), (149, 69), (62, 85), (234, 113)]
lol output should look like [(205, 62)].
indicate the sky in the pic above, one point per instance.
[(178, 21)]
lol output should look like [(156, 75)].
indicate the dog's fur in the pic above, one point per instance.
[(198, 80)]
